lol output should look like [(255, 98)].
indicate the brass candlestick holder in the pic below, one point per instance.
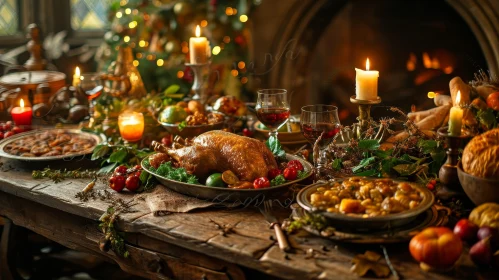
[(448, 171), (201, 74), (364, 113)]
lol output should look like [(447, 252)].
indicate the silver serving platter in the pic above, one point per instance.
[(240, 196), (98, 139), (357, 222)]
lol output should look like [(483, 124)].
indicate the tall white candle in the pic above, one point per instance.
[(366, 83), (76, 77), (199, 48), (456, 117)]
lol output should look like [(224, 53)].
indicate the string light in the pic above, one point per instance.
[(126, 39), (241, 64), (216, 50), (204, 23), (226, 39), (128, 11), (185, 49), (180, 74), (139, 55), (229, 11), (160, 62), (135, 63), (142, 43), (244, 80), (243, 18), (123, 2), (119, 14), (149, 57), (132, 24), (234, 72), (135, 12)]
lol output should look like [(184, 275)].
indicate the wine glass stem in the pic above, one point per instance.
[(321, 159), (273, 133)]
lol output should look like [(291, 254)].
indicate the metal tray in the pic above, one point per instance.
[(98, 139), (242, 196), (342, 221), (435, 216)]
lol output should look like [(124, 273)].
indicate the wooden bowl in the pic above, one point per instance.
[(479, 190)]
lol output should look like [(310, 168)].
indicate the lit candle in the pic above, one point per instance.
[(21, 115), (199, 48), (366, 83), (76, 77), (456, 117), (131, 126)]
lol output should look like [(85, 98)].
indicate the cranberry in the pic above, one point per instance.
[(290, 173), (17, 129), (1, 135), (261, 183), (120, 170), (167, 141), (117, 182), (274, 173), (296, 164), (8, 134), (247, 132)]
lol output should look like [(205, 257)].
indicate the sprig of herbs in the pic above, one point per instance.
[(60, 175)]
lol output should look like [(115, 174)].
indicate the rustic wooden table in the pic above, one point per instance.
[(181, 246)]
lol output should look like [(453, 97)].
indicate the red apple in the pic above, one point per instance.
[(466, 230), (491, 233)]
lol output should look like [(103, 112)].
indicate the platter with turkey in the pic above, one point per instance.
[(225, 167)]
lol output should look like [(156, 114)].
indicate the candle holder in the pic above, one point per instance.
[(201, 74), (448, 171), (364, 113)]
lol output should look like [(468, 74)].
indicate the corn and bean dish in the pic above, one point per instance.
[(366, 197)]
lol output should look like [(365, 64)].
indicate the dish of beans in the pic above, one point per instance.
[(366, 197)]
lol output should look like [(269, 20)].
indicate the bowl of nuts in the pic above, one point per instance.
[(190, 119)]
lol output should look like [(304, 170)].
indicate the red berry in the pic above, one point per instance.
[(8, 134), (120, 170), (17, 129), (261, 183), (7, 126), (117, 182), (290, 173), (430, 186), (296, 164), (132, 183), (1, 135), (247, 132), (433, 182), (273, 173)]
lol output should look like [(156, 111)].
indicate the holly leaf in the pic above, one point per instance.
[(406, 169), (275, 147), (368, 173), (109, 168), (427, 146), (487, 118), (369, 144), (118, 156), (100, 151), (363, 163), (337, 163)]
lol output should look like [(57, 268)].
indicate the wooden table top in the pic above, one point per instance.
[(251, 245)]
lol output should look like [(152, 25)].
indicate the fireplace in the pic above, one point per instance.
[(312, 47)]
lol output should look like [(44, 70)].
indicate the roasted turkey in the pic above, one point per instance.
[(218, 151)]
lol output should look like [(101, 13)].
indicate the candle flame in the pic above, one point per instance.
[(458, 98), (367, 64), (21, 103), (198, 31), (77, 71), (431, 94)]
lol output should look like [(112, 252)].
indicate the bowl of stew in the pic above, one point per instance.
[(362, 203)]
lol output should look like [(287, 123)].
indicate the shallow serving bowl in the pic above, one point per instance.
[(479, 190), (240, 196), (358, 223)]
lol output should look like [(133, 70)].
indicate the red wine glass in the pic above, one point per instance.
[(272, 109), (320, 123)]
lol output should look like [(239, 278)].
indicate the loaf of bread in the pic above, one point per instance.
[(481, 155)]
